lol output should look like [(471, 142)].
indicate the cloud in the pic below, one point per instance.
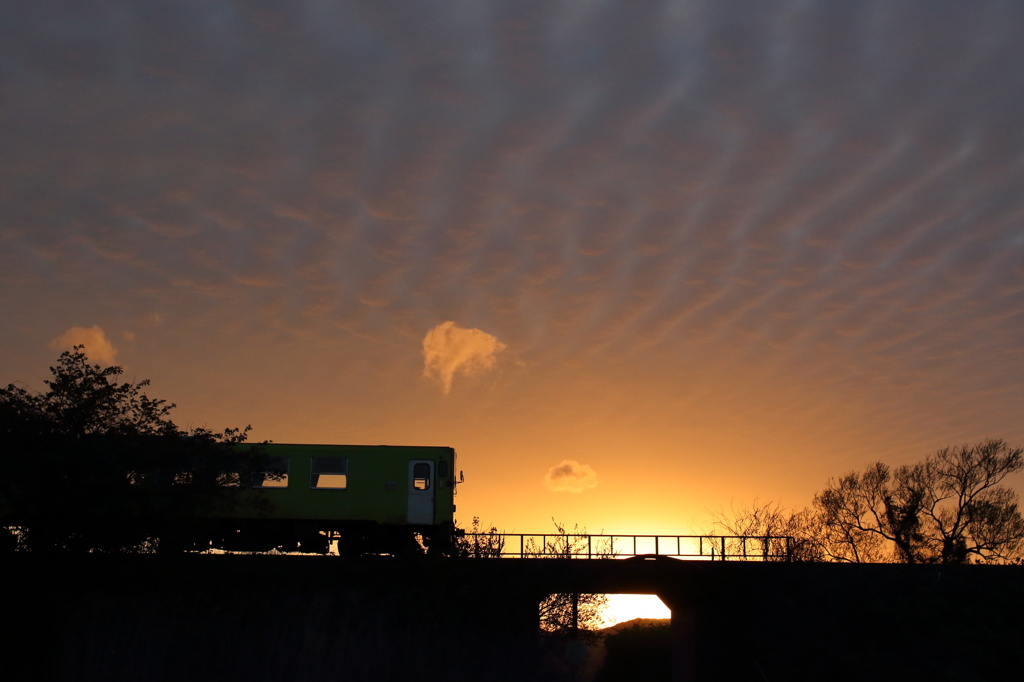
[(616, 185), (570, 476), (97, 346), (449, 349)]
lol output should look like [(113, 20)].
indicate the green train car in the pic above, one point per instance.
[(359, 498)]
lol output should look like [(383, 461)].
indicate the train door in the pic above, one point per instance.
[(421, 492)]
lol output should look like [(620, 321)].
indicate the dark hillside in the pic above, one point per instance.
[(641, 651)]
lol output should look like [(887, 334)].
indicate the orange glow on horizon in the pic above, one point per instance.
[(630, 289), (625, 607)]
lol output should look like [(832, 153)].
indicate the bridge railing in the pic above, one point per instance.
[(580, 546)]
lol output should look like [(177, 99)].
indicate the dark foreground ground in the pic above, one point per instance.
[(298, 618)]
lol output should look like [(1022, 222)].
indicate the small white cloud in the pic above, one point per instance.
[(97, 347), (449, 349), (570, 476)]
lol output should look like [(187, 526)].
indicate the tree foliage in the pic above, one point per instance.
[(773, 532), (558, 613), (952, 508), (94, 464), (570, 612), (477, 543), (949, 509)]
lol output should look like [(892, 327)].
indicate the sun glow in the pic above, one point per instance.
[(626, 607)]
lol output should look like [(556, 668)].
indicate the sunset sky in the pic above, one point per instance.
[(634, 261)]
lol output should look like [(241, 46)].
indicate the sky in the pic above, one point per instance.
[(635, 261)]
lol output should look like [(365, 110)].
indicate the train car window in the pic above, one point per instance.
[(421, 476), (329, 473), (273, 475)]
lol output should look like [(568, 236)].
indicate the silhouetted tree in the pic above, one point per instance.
[(556, 612), (565, 612), (478, 543), (949, 509), (769, 531), (94, 464)]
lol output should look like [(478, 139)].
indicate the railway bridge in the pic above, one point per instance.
[(325, 617)]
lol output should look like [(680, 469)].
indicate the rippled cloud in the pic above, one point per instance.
[(829, 188)]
